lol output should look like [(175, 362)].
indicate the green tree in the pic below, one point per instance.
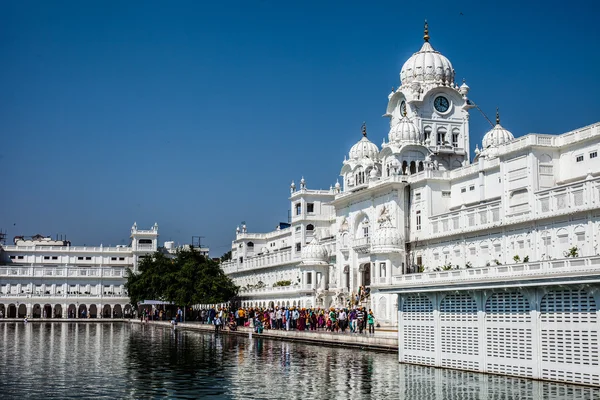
[(188, 278), (226, 256)]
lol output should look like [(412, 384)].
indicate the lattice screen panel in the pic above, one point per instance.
[(419, 382), (509, 369), (507, 307), (460, 340), (569, 337), (509, 343), (418, 337), (458, 307), (557, 391), (506, 388), (409, 358), (417, 308)]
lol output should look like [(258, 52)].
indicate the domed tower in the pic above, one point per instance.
[(363, 160), (429, 98), (494, 138), (314, 265)]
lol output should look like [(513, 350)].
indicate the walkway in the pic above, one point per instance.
[(383, 340)]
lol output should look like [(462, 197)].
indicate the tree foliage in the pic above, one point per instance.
[(187, 278)]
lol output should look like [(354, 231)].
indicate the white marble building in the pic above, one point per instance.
[(417, 203), (41, 277)]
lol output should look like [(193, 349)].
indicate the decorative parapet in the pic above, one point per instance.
[(569, 270), (273, 259)]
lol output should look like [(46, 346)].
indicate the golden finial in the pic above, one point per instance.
[(497, 116), (426, 36), (364, 129)]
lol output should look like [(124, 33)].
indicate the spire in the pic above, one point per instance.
[(497, 116), (426, 36), (364, 129)]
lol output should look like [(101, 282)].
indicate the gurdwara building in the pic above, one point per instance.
[(418, 204)]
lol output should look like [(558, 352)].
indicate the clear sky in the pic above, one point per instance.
[(197, 115)]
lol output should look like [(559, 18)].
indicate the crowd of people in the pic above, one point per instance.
[(355, 320)]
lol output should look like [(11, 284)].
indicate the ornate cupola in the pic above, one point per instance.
[(364, 148), (404, 132), (497, 135), (427, 65)]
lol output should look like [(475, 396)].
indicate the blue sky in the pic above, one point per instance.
[(197, 115)]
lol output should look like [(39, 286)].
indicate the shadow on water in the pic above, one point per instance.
[(75, 360)]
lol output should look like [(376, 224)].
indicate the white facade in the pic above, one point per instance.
[(419, 204), (41, 277)]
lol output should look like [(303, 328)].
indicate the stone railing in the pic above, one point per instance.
[(276, 290), (263, 236), (68, 249), (263, 261), (568, 267), (65, 271)]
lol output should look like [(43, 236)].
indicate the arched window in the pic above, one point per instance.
[(421, 166), (404, 167), (427, 133), (310, 227), (455, 134), (250, 244), (441, 136), (145, 241), (413, 167)]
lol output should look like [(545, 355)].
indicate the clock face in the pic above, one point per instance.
[(441, 104)]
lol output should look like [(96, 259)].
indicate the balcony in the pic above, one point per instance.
[(275, 258), (362, 245), (571, 270), (10, 271), (277, 291)]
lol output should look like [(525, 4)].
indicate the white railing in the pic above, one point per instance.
[(68, 249), (262, 261), (265, 236), (567, 198), (71, 272), (276, 290), (503, 273)]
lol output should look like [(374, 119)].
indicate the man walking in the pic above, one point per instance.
[(360, 319)]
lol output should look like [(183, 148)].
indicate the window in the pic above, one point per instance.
[(241, 260), (445, 193), (454, 138), (309, 278), (427, 132), (250, 244), (419, 221), (365, 231), (382, 270), (46, 257), (88, 258), (441, 136), (310, 207), (463, 190), (12, 257), (419, 260), (298, 208), (121, 258), (298, 228), (19, 257), (113, 258), (298, 246), (417, 196), (593, 154), (472, 187), (55, 257), (80, 258), (310, 227), (579, 158)]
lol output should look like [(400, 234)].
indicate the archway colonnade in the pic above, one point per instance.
[(65, 310)]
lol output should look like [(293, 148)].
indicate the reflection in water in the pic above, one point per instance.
[(115, 360)]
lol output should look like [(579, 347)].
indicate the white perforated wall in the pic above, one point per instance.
[(550, 333), (418, 335), (569, 337)]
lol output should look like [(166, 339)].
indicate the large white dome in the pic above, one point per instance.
[(427, 65), (404, 132), (497, 135), (364, 148), (386, 239), (314, 253)]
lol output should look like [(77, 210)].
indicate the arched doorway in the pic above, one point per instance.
[(106, 311), (37, 311), (72, 311), (365, 270), (22, 311), (12, 311), (272, 304), (57, 311), (118, 311), (82, 311), (93, 311), (127, 311), (3, 311), (47, 311)]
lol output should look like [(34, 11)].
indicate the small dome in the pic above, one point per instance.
[(314, 253), (386, 238), (427, 65), (364, 148), (405, 132), (497, 135)]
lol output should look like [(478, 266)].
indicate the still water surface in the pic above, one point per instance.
[(118, 360)]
